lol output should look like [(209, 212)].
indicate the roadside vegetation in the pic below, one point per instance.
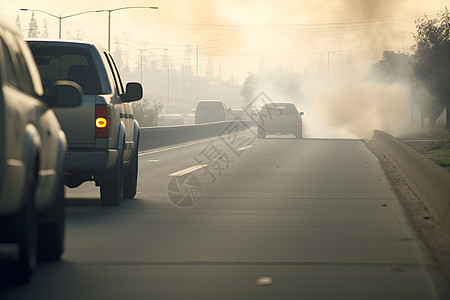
[(433, 143), (425, 70), (147, 113)]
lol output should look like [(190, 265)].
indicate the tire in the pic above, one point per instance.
[(21, 229), (131, 177), (111, 190), (299, 133), (51, 227)]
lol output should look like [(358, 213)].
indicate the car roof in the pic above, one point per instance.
[(278, 103), (210, 101), (65, 42), (9, 27)]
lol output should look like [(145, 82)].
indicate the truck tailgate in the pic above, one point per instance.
[(78, 123)]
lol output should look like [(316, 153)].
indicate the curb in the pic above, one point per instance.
[(427, 180)]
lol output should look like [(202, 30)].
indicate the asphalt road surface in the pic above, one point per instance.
[(240, 218)]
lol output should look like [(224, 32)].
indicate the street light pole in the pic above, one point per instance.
[(198, 46), (141, 50), (109, 30), (109, 18), (58, 17), (329, 52), (168, 82)]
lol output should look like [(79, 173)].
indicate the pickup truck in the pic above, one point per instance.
[(32, 152), (102, 134)]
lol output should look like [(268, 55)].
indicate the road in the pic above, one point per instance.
[(277, 219)]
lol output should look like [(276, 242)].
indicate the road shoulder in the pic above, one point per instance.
[(420, 218)]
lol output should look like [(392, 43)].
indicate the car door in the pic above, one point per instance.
[(42, 117), (126, 112)]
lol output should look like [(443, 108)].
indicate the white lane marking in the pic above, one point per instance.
[(188, 170), (146, 152), (245, 148), (153, 160), (176, 146)]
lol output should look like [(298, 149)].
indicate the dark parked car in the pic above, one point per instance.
[(280, 118)]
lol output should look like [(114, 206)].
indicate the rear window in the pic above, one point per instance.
[(210, 106), (279, 110), (65, 63)]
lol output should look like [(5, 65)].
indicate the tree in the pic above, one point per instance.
[(249, 88), (394, 67), (146, 112), (431, 60), (32, 31), (45, 29), (18, 23)]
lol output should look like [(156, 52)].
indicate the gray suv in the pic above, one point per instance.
[(280, 118)]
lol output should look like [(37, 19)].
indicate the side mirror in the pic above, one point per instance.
[(133, 93), (301, 113), (66, 94)]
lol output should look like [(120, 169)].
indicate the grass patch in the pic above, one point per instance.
[(425, 133), (436, 149), (439, 156)]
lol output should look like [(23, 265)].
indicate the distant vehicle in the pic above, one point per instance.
[(280, 118), (237, 114), (210, 111), (32, 152), (102, 134)]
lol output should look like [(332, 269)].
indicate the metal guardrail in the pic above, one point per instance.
[(161, 136)]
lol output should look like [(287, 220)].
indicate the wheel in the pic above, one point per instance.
[(111, 190), (299, 133), (21, 229), (131, 177), (51, 226)]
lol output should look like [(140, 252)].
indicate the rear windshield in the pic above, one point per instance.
[(65, 63), (279, 110), (210, 106)]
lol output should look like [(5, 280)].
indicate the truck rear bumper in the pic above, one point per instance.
[(97, 160), (280, 128)]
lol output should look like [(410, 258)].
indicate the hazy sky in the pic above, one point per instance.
[(293, 33), (331, 42)]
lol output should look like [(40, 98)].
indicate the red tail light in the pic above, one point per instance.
[(102, 121), (298, 124)]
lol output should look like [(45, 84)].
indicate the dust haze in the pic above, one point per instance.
[(314, 53), (335, 96)]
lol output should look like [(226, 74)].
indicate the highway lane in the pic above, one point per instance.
[(316, 217)]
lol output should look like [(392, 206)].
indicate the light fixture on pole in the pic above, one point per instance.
[(58, 17), (115, 9), (140, 50)]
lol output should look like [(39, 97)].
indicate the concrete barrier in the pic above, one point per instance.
[(161, 136), (430, 182)]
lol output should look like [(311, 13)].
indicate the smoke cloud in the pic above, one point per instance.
[(354, 109)]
